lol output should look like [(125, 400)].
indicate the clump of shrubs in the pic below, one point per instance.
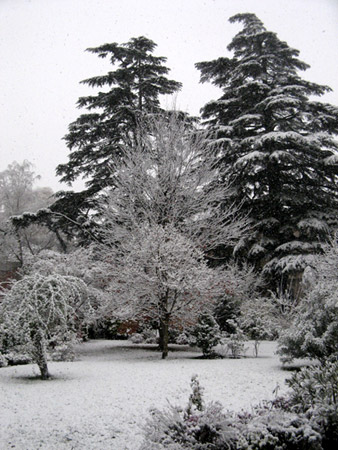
[(197, 426), (307, 419), (315, 394)]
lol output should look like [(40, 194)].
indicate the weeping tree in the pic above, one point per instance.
[(40, 308), (162, 223), (278, 150)]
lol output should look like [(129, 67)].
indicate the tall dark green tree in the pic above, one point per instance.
[(277, 147), (134, 88), (129, 91)]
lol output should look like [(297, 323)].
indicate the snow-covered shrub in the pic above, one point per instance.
[(149, 335), (197, 426), (39, 309), (137, 338), (64, 352), (235, 342), (202, 426), (17, 359), (272, 429), (3, 361), (315, 394), (146, 336), (314, 386), (227, 308), (259, 320), (314, 331), (182, 339), (206, 334), (241, 287)]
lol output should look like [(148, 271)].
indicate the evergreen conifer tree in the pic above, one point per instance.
[(134, 87), (276, 145), (96, 138)]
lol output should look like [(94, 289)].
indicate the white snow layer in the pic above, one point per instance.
[(101, 400)]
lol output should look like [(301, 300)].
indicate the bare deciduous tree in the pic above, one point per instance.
[(163, 220)]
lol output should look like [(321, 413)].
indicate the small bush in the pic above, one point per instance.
[(17, 359), (206, 334), (235, 342), (64, 352), (149, 336), (315, 394), (137, 338), (270, 429), (3, 361), (197, 426), (182, 339)]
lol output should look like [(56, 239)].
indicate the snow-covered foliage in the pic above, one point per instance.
[(195, 426), (206, 334), (159, 274), (314, 332), (235, 341), (314, 392), (207, 426), (278, 149), (17, 196), (265, 317), (161, 221), (167, 179), (82, 263), (39, 309)]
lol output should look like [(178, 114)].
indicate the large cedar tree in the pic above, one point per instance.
[(277, 147)]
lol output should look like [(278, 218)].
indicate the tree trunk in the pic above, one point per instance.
[(165, 335), (160, 337), (40, 353)]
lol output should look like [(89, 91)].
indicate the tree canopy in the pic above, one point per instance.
[(160, 221), (132, 89), (278, 147)]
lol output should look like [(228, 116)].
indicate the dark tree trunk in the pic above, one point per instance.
[(40, 353), (160, 341), (165, 335)]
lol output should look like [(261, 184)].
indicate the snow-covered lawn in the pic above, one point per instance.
[(101, 400)]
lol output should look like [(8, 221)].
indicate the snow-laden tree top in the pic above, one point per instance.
[(279, 146)]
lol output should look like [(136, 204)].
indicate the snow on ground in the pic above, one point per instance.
[(101, 400)]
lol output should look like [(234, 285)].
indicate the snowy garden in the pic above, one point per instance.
[(187, 298), (103, 398)]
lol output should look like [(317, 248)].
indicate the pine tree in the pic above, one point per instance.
[(96, 138), (134, 87), (276, 145)]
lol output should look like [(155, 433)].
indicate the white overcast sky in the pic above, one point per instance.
[(42, 58)]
